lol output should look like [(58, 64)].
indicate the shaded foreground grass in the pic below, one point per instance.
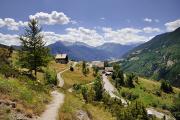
[(30, 96)]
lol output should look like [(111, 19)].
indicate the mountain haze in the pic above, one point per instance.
[(82, 51)]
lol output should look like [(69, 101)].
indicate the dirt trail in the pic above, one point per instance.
[(111, 89), (53, 107), (61, 81), (159, 115)]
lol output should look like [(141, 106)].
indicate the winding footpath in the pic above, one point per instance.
[(60, 79), (150, 111), (159, 115), (52, 109), (51, 112), (111, 89)]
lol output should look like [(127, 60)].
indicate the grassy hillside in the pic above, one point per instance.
[(157, 59), (30, 96), (76, 77), (16, 85), (74, 102), (150, 94)]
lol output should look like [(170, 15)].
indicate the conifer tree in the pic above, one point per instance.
[(166, 87), (84, 91), (85, 70), (98, 88), (118, 75), (33, 53), (129, 79)]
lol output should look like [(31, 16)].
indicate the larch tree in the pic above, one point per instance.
[(33, 53)]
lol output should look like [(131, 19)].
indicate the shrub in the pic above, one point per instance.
[(84, 91), (166, 87), (71, 68), (98, 88), (85, 69), (8, 71), (50, 77), (158, 93), (76, 87), (130, 78), (95, 71), (129, 95)]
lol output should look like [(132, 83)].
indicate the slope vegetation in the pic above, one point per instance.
[(158, 58)]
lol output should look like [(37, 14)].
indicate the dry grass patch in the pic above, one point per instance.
[(57, 66), (76, 77)]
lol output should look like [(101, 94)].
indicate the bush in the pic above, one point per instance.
[(8, 71), (84, 91), (129, 80), (76, 87), (71, 68), (50, 77), (158, 93), (98, 88), (129, 95), (166, 87)]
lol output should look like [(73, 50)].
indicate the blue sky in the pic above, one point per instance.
[(91, 21)]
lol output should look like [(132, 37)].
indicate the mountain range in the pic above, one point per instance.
[(82, 51), (158, 58)]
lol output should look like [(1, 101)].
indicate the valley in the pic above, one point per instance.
[(89, 60)]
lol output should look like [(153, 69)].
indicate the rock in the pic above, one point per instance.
[(169, 63), (13, 104), (2, 101), (82, 115), (7, 103)]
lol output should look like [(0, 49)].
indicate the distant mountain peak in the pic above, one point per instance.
[(83, 51)]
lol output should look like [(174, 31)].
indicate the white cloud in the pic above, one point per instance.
[(8, 39), (151, 30), (93, 38), (50, 37), (147, 20), (81, 34), (74, 22), (124, 36), (102, 18), (11, 24), (50, 19), (156, 20), (151, 20), (170, 26), (90, 36)]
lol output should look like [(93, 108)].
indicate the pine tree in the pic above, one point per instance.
[(85, 70), (118, 75), (98, 88), (84, 91), (33, 53), (166, 87), (129, 80), (95, 71)]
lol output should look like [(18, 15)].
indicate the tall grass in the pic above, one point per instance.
[(30, 94)]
